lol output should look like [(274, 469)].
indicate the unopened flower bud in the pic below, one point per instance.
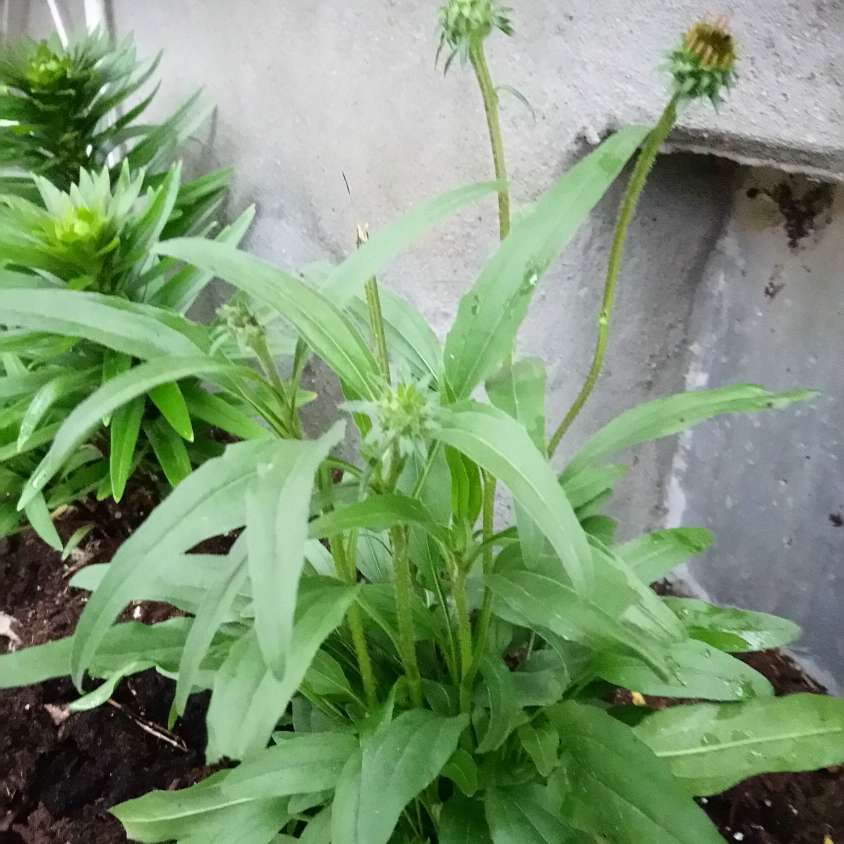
[(464, 23), (703, 65)]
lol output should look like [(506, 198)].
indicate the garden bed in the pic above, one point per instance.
[(60, 773)]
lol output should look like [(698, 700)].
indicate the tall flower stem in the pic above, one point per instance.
[(347, 569), (643, 166), (490, 98), (401, 572)]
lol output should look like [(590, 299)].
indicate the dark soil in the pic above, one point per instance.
[(60, 773)]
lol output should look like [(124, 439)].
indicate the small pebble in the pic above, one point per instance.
[(739, 836)]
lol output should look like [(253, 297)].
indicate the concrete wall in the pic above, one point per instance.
[(770, 308), (308, 93)]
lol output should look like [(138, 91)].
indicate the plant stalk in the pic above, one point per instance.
[(643, 166), (486, 609), (490, 98), (401, 570), (348, 571), (464, 631), (376, 324)]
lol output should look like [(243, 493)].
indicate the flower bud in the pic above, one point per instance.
[(464, 23), (703, 64)]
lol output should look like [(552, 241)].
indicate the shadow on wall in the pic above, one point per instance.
[(771, 309)]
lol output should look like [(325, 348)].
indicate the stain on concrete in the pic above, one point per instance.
[(804, 206)]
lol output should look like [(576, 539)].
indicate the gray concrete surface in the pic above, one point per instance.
[(309, 92), (771, 485)]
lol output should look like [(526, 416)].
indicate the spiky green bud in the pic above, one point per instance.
[(45, 69), (464, 23), (237, 321), (703, 65), (403, 416)]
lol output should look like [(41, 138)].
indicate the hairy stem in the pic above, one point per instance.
[(490, 98), (347, 569), (464, 632), (376, 325), (482, 633), (625, 215), (401, 570)]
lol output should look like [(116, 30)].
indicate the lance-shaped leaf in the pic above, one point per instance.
[(618, 788), (503, 447), (492, 311), (88, 415), (397, 762), (277, 509), (663, 417), (209, 502), (320, 322), (710, 748)]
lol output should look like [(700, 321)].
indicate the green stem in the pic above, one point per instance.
[(464, 632), (348, 571), (376, 325), (401, 569), (486, 609), (628, 206), (490, 98)]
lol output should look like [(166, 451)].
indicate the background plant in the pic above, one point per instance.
[(83, 206), (384, 670)]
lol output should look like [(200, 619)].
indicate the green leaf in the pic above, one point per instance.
[(35, 664), (169, 450), (519, 390), (524, 815), (124, 644), (542, 743), (210, 614), (709, 748), (86, 416), (732, 630), (377, 512), (408, 335), (663, 417), (180, 292), (141, 331), (318, 830), (76, 537), (202, 813), (462, 821), (169, 400), (654, 555), (396, 763), (696, 671), (182, 581), (248, 700), (320, 322), (466, 489), (618, 789), (325, 678), (41, 521), (504, 713), (277, 510), (378, 600), (462, 771), (298, 765), (209, 502), (215, 410), (125, 427), (536, 601), (502, 446), (351, 276), (592, 483), (60, 387), (491, 312)]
